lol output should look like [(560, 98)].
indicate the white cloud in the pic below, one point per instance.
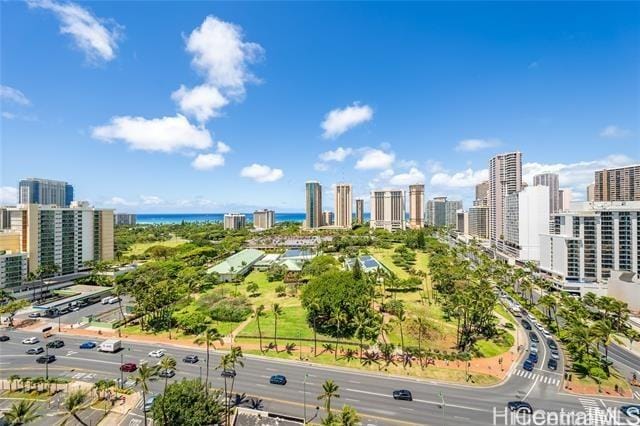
[(9, 115), (338, 154), (222, 148), (338, 121), (8, 195), (476, 144), (465, 179), (321, 167), (221, 54), (614, 132), (413, 176), (13, 95), (202, 102), (166, 134), (434, 166), (97, 38), (375, 159), (118, 201), (207, 161), (261, 173), (151, 200)]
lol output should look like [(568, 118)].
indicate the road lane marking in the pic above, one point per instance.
[(530, 389)]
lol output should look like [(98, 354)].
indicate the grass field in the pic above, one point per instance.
[(291, 325), (139, 248)]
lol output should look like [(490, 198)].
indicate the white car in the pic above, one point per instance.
[(546, 334), (158, 353), (114, 300), (30, 341)]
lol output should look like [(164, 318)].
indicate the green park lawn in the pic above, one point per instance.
[(138, 249), (292, 324)]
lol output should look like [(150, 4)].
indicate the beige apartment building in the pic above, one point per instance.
[(343, 205), (416, 206)]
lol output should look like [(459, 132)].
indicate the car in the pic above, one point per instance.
[(30, 340), (74, 308), (402, 395), (278, 379), (552, 345), (532, 318), (88, 345), (4, 338), (555, 355), (158, 353), (520, 407), (82, 303), (228, 373), (533, 347), (533, 337), (630, 410), (526, 324), (55, 344), (190, 359), (533, 357), (528, 365), (148, 404), (168, 373), (46, 359), (552, 364), (113, 300), (105, 300), (65, 310), (35, 315), (546, 334), (35, 351), (128, 367)]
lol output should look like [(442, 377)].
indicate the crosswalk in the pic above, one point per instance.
[(596, 412), (541, 378), (636, 395)]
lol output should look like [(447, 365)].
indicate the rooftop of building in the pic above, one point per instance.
[(251, 417), (593, 207), (237, 262)]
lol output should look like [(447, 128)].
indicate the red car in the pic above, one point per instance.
[(129, 367)]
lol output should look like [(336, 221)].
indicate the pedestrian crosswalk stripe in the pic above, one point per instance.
[(541, 378)]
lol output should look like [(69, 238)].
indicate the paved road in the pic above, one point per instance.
[(369, 393)]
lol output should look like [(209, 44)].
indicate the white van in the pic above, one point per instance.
[(105, 300)]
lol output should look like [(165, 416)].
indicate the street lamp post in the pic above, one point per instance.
[(121, 372), (304, 398), (46, 361), (444, 422)]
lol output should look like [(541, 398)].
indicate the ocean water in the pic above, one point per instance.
[(169, 218)]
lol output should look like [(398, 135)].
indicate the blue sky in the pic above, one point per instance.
[(129, 101)]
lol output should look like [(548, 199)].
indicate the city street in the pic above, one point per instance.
[(370, 394)]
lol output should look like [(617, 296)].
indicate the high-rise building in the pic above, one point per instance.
[(527, 216), (264, 219), (5, 218), (564, 198), (13, 269), (505, 178), (592, 240), (621, 184), (387, 209), (479, 221), (128, 219), (66, 237), (482, 194), (551, 180), (343, 205), (591, 192), (327, 218), (416, 206), (45, 191), (462, 222), (442, 212), (313, 206), (234, 221), (359, 210)]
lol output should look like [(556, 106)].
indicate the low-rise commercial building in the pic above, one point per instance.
[(236, 266)]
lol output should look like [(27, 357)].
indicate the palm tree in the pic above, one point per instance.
[(349, 416), (258, 313), (277, 313), (74, 403), (604, 333), (236, 357), (423, 326), (167, 363), (338, 318), (145, 374), (22, 413), (329, 391), (362, 324), (401, 318), (208, 337), (226, 364)]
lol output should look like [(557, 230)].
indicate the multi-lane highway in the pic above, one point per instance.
[(369, 393)]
